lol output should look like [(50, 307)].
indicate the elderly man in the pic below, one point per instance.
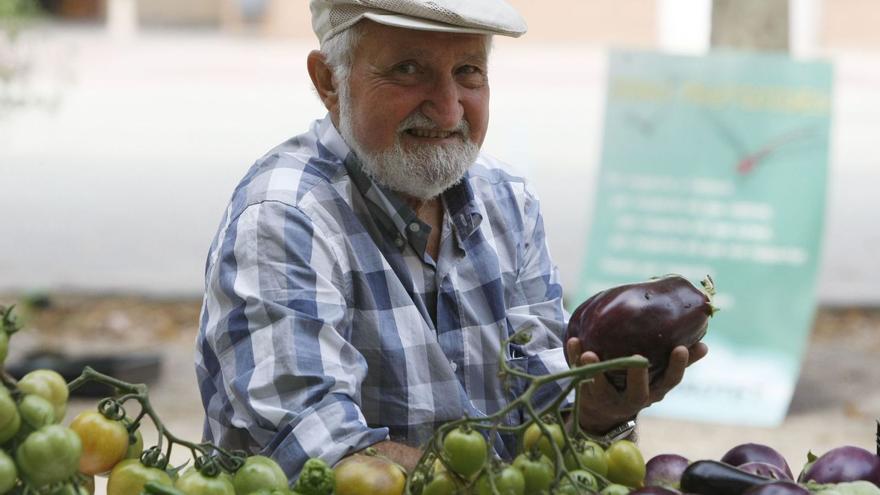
[(366, 272)]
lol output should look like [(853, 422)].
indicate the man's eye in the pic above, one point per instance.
[(407, 68), (469, 69)]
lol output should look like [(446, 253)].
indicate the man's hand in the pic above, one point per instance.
[(404, 455), (603, 407)]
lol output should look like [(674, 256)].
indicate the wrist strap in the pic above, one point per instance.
[(619, 432)]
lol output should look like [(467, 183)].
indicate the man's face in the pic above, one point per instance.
[(417, 106)]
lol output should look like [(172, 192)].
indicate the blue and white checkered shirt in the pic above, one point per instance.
[(327, 328)]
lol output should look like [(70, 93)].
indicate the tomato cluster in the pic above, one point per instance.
[(42, 456), (550, 461)]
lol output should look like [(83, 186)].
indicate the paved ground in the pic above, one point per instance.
[(836, 401)]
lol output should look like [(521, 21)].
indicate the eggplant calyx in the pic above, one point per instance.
[(708, 286)]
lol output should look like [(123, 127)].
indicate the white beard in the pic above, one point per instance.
[(423, 172)]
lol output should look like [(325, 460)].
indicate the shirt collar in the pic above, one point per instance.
[(330, 138)]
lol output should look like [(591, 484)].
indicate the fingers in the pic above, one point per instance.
[(679, 359), (572, 351), (696, 352), (638, 387)]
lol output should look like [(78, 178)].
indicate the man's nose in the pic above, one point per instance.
[(443, 103)]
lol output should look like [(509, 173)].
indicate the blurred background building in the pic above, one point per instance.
[(132, 120)]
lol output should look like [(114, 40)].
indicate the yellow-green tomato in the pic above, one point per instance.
[(10, 419), (129, 477), (192, 482), (591, 456), (360, 474), (259, 473), (465, 451), (533, 436), (626, 466), (105, 441), (508, 481), (8, 473), (49, 385)]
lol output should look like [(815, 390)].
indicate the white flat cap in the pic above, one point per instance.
[(331, 17)]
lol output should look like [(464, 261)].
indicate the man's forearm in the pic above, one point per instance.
[(402, 454)]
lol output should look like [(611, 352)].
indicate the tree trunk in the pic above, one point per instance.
[(760, 25)]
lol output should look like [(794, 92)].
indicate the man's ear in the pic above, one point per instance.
[(322, 78)]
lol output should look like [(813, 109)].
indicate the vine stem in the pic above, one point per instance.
[(493, 422), (140, 393)]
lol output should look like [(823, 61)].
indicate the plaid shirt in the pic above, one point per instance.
[(327, 328)]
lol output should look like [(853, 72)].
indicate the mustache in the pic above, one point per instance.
[(418, 120)]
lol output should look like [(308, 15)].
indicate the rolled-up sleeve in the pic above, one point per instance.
[(277, 374)]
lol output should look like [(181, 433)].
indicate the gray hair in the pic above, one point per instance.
[(339, 51)]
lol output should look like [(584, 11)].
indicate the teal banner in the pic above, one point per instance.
[(718, 165)]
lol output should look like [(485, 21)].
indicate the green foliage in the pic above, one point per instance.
[(12, 9)]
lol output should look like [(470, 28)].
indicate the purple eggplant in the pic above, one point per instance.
[(649, 319), (766, 470), (665, 470), (755, 452), (846, 463), (718, 478), (778, 488)]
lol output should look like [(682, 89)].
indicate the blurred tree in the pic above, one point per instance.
[(760, 25), (14, 14)]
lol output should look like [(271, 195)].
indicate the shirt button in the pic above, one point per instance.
[(398, 242), (414, 227), (453, 365)]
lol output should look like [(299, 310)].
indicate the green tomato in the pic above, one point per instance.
[(318, 478), (441, 483), (10, 419), (192, 482), (36, 412), (533, 437), (4, 346), (508, 481), (615, 489), (259, 473), (8, 473), (538, 471), (626, 466), (135, 445), (49, 385), (49, 455), (69, 489), (591, 456), (156, 488), (465, 451), (129, 477), (583, 482)]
